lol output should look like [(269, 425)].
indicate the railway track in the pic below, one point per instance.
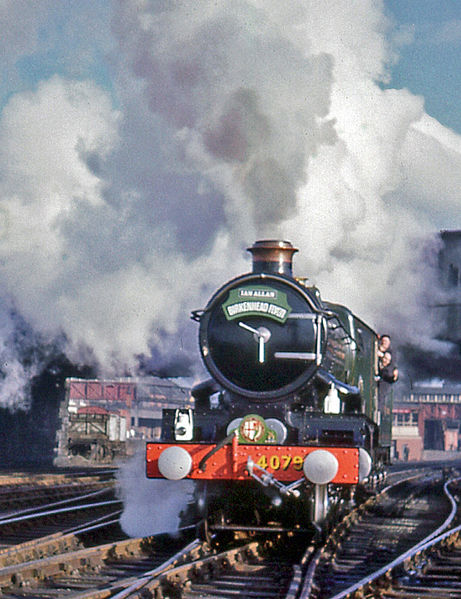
[(267, 569), (430, 569), (77, 564), (363, 553), (259, 570), (433, 570), (19, 490), (94, 572), (81, 502), (63, 565)]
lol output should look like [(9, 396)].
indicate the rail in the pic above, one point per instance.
[(429, 541)]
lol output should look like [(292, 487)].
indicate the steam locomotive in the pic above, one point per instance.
[(289, 423)]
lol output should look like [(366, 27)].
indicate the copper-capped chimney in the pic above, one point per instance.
[(273, 256)]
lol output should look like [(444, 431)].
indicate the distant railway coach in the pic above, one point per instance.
[(102, 420)]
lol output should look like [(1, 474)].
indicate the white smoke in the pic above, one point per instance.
[(310, 102), (17, 367), (150, 506), (123, 209), (240, 91)]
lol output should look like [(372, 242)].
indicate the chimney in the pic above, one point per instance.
[(273, 256)]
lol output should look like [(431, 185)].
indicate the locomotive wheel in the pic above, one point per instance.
[(320, 504)]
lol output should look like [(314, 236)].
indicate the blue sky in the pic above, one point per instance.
[(430, 65), (74, 40)]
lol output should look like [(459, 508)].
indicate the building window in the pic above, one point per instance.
[(406, 419), (453, 276)]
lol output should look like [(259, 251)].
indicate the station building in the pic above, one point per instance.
[(138, 401), (104, 419), (427, 419)]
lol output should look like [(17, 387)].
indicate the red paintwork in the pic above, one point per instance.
[(102, 390), (229, 463)]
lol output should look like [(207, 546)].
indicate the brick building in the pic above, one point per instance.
[(101, 419), (427, 418)]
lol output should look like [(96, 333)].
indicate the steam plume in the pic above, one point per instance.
[(150, 506), (123, 209)]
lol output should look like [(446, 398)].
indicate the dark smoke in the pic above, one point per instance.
[(419, 365), (27, 437)]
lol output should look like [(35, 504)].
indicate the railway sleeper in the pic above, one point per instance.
[(39, 549), (419, 591), (67, 564), (246, 585)]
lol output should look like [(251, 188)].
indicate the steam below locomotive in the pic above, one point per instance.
[(289, 422)]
